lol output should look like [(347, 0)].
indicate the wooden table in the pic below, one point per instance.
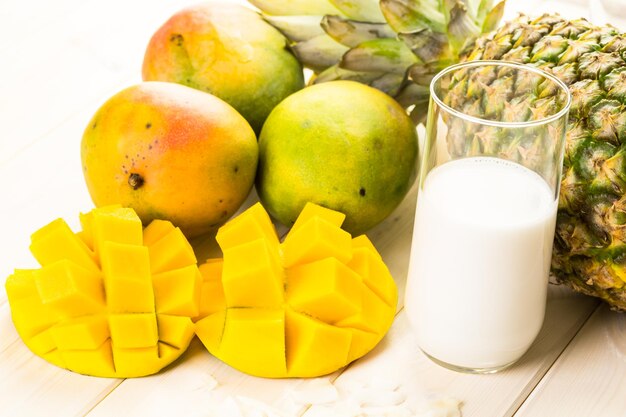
[(59, 60)]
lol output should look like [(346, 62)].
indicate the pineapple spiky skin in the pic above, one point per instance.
[(396, 46), (589, 251)]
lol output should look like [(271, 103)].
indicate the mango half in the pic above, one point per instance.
[(301, 308), (113, 300)]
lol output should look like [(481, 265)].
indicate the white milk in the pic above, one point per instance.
[(479, 262)]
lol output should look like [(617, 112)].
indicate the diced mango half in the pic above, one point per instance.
[(105, 312), (318, 302)]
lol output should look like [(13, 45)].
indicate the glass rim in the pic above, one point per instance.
[(480, 63)]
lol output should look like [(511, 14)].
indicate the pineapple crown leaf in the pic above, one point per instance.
[(379, 55), (412, 15), (295, 7), (351, 32), (362, 10)]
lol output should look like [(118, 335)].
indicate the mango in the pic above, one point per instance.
[(301, 308), (342, 145), (113, 300), (229, 51), (169, 152)]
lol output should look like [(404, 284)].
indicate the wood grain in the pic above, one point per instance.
[(589, 378)]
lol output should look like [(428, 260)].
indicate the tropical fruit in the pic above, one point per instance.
[(301, 308), (229, 51), (590, 242), (112, 300), (170, 152), (341, 145), (396, 46)]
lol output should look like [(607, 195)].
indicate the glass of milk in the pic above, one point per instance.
[(486, 212)]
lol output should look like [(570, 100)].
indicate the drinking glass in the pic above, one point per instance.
[(486, 213)]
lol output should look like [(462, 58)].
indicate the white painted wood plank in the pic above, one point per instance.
[(589, 378), (29, 387), (397, 365)]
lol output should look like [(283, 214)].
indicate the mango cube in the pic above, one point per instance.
[(311, 210), (83, 333), (134, 330), (256, 224), (119, 225), (43, 342), (156, 230), (252, 276), (325, 289), (301, 308), (176, 331), (172, 251), (70, 289), (56, 241), (368, 264), (254, 338), (178, 292), (127, 278), (106, 313), (212, 297), (21, 284), (311, 341), (314, 240), (91, 361)]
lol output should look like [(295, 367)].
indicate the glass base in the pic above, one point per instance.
[(466, 370)]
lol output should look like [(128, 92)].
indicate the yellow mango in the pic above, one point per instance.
[(210, 330), (156, 230), (253, 341), (212, 297), (69, 289), (311, 210), (252, 276), (172, 251), (367, 263), (127, 278), (255, 225), (91, 361), (303, 308), (314, 347), (105, 312), (316, 239), (176, 331), (56, 241), (134, 330), (325, 289), (119, 225), (43, 342), (87, 332), (175, 292)]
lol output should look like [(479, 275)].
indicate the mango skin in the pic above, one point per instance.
[(229, 51), (170, 152), (342, 145)]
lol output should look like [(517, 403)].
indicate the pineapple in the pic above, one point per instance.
[(590, 245), (396, 46), (399, 46)]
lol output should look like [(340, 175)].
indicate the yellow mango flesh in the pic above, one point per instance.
[(301, 308), (113, 300)]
